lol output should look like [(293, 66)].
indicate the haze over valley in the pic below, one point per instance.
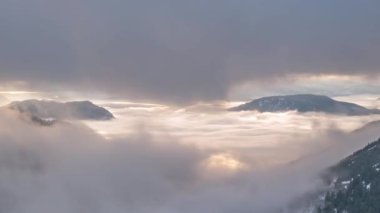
[(175, 106)]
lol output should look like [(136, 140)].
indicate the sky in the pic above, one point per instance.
[(180, 52)]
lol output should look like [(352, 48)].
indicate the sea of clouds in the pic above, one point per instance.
[(69, 167)]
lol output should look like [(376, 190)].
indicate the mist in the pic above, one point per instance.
[(70, 168)]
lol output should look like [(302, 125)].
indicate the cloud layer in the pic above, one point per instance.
[(69, 168), (173, 50)]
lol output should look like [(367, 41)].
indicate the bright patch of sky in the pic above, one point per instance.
[(330, 85)]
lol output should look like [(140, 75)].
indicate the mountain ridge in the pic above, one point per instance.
[(354, 183), (47, 112), (304, 103)]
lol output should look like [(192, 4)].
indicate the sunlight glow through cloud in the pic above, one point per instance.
[(224, 161)]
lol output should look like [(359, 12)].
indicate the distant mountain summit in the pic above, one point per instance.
[(47, 112), (304, 103)]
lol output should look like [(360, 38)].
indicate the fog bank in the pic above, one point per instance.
[(70, 168)]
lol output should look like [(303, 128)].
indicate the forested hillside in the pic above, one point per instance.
[(355, 183)]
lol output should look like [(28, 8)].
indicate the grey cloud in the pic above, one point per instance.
[(182, 51)]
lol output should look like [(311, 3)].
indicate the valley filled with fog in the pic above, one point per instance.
[(269, 137), (185, 106), (152, 157)]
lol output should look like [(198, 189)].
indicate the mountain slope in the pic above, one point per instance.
[(304, 103), (45, 112), (374, 125), (355, 183)]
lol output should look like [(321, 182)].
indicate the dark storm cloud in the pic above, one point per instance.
[(183, 50)]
